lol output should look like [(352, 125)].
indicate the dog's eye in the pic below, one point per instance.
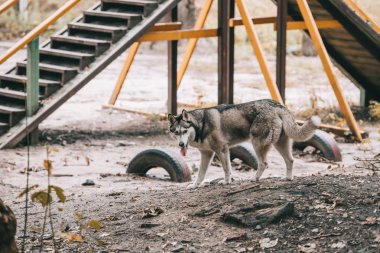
[(176, 132), (185, 131)]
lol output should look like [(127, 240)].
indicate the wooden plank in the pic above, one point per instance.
[(179, 35), (193, 42), (247, 21), (122, 109), (317, 40), (321, 24), (32, 75), (160, 27), (123, 74)]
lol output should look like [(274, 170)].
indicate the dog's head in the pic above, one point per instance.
[(182, 129)]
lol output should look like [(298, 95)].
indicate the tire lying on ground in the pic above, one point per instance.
[(245, 153), (154, 158), (323, 142)]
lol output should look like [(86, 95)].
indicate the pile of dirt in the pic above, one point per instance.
[(331, 214)]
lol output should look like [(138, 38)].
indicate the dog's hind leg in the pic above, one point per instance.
[(206, 157), (224, 157), (261, 152), (284, 147)]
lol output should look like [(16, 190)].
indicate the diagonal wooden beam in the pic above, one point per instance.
[(247, 21), (127, 65), (327, 64), (193, 42)]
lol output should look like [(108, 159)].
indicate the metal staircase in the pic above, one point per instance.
[(72, 57)]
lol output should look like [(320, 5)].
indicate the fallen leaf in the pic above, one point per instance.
[(94, 224), (78, 216), (268, 243), (73, 237)]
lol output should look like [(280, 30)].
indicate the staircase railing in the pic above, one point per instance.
[(5, 6), (31, 39)]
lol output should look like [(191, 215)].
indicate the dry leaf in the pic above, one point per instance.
[(78, 216), (48, 166), (94, 224), (73, 237)]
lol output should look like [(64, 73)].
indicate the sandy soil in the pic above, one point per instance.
[(97, 144)]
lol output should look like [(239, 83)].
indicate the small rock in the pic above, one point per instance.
[(178, 248), (47, 236), (88, 182), (258, 227)]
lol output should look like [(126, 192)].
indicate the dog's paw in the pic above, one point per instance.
[(193, 185), (225, 182), (289, 178)]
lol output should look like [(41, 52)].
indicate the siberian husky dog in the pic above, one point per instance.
[(214, 130)]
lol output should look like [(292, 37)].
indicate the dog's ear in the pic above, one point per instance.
[(171, 118), (185, 115)]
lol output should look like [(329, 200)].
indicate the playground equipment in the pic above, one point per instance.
[(76, 54), (338, 28)]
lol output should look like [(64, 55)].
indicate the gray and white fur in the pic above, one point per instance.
[(214, 130)]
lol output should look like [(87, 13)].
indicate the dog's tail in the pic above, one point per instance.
[(300, 133)]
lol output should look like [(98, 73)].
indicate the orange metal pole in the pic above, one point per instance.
[(127, 65), (193, 42), (39, 29), (326, 62), (5, 6), (247, 21)]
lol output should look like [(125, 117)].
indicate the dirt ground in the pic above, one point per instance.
[(336, 204)]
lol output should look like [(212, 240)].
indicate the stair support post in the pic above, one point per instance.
[(32, 85), (327, 64), (172, 68), (226, 11), (32, 74), (123, 74), (281, 25)]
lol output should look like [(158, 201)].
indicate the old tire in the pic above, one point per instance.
[(323, 142), (152, 158), (246, 154)]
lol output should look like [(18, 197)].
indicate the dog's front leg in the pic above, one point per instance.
[(206, 157), (224, 157)]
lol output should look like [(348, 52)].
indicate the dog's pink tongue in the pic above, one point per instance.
[(183, 151)]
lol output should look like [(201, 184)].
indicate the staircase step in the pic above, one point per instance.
[(112, 18), (11, 115), (3, 128), (12, 98), (20, 95), (64, 57), (51, 72), (94, 31), (143, 7), (18, 82), (76, 44)]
